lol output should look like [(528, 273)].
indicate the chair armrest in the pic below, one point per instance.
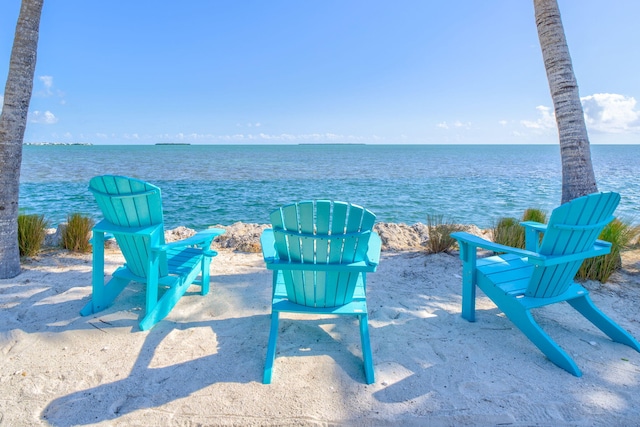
[(106, 227), (373, 253), (202, 238), (532, 232), (538, 226), (356, 267), (267, 242), (471, 241)]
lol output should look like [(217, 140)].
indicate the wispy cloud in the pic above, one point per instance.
[(46, 117), (249, 125), (243, 138), (546, 121), (47, 82), (455, 125), (47, 89)]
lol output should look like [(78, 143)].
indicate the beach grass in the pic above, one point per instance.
[(620, 234), (440, 230), (31, 233), (76, 233)]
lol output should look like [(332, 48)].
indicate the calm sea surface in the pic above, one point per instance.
[(203, 185)]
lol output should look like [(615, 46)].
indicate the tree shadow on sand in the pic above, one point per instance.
[(147, 387)]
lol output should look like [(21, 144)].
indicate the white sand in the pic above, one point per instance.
[(202, 366)]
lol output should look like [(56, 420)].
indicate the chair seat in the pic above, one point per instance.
[(182, 261), (508, 272), (511, 274)]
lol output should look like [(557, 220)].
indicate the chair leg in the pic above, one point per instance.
[(271, 349), (204, 276), (523, 319), (585, 306), (366, 348), (158, 311), (102, 295)]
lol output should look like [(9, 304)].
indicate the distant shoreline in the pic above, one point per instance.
[(57, 143), (332, 143)]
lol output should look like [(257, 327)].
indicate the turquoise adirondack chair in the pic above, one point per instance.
[(320, 252), (132, 211), (518, 281)]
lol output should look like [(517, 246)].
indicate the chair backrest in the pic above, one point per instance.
[(572, 228), (321, 233), (131, 203)]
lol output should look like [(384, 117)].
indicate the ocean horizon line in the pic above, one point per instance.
[(315, 144)]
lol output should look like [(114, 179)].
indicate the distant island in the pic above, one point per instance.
[(172, 143), (57, 143)]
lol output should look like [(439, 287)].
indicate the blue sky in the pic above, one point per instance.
[(358, 71)]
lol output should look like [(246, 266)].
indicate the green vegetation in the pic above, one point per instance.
[(31, 233), (440, 239), (536, 215), (619, 234), (75, 235), (509, 232)]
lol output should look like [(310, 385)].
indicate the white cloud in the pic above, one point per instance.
[(603, 112), (457, 124), (47, 117), (611, 113), (546, 121), (264, 137), (47, 82)]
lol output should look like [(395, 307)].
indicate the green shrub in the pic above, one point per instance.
[(509, 232), (31, 233), (533, 214), (75, 235), (440, 239), (619, 234)]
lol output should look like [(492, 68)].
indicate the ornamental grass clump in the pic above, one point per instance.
[(440, 239), (536, 215), (31, 233), (75, 235), (509, 232), (619, 234)]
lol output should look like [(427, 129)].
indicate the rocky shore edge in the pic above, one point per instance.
[(245, 237)]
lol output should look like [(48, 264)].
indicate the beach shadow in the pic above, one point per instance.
[(38, 301), (149, 387), (46, 299), (328, 336)]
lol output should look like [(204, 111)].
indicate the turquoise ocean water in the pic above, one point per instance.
[(203, 185)]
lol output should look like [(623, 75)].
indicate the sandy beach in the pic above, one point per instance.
[(202, 365)]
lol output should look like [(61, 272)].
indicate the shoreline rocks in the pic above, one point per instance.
[(245, 237)]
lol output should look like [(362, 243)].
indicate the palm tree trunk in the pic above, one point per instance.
[(578, 178), (13, 121)]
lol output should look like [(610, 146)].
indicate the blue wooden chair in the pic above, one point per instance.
[(320, 252), (518, 280), (132, 211)]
